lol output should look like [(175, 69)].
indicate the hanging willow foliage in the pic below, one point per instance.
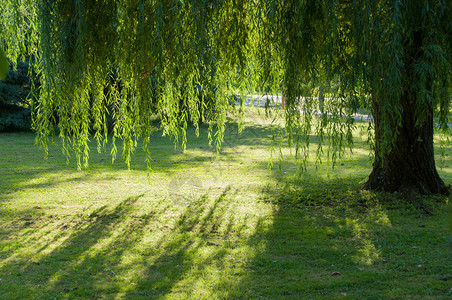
[(131, 61), (137, 60)]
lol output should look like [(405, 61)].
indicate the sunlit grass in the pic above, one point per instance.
[(207, 226)]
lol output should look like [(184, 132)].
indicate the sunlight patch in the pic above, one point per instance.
[(367, 254)]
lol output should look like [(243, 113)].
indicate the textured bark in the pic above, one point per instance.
[(409, 167)]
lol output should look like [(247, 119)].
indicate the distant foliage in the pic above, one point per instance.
[(15, 106)]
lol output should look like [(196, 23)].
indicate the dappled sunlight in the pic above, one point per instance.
[(361, 231), (366, 251), (201, 226), (443, 156), (142, 250), (367, 254)]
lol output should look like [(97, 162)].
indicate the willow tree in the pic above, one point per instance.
[(140, 59)]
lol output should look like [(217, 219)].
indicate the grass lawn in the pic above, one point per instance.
[(208, 227)]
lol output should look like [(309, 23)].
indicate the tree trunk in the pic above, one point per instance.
[(409, 167)]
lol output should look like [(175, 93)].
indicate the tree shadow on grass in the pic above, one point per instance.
[(65, 254), (121, 251), (126, 251), (330, 240)]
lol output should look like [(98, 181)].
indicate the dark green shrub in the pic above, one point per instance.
[(14, 103)]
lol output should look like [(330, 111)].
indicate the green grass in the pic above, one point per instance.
[(208, 227)]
